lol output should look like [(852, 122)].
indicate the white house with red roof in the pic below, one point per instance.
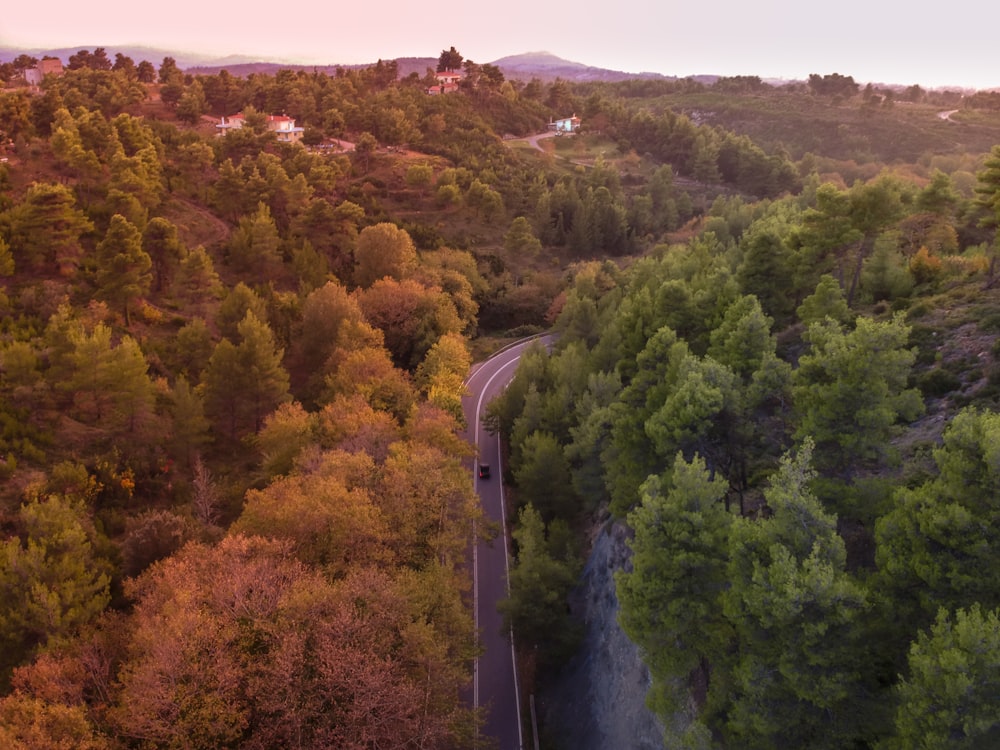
[(566, 124), (233, 122), (282, 126), (447, 82)]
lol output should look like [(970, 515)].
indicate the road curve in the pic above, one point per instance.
[(495, 686), (533, 140)]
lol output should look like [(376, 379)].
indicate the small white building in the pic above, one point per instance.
[(447, 82), (283, 127), (233, 122), (47, 66), (565, 124)]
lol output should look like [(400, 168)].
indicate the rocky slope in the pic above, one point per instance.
[(598, 702)]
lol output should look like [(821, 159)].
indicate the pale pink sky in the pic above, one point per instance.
[(954, 45)]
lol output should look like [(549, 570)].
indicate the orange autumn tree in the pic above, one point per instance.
[(244, 644), (924, 266), (327, 517), (412, 317)]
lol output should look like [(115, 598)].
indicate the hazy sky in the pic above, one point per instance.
[(953, 45)]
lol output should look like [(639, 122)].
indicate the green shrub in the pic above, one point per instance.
[(938, 382), (927, 340)]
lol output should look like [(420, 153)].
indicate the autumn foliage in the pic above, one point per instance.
[(233, 514)]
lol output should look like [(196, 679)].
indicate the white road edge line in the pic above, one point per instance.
[(475, 560), (506, 565)]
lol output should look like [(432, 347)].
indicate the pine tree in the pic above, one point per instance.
[(766, 270), (51, 582), (223, 382), (988, 190), (948, 696), (743, 339), (47, 227), (671, 599), (123, 273), (851, 388), (245, 382), (134, 393), (197, 284), (543, 477), (798, 669), (190, 427), (110, 383), (520, 241), (255, 245), (6, 259), (165, 250), (240, 300), (540, 580), (938, 546)]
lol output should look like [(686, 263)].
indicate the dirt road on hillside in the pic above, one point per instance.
[(534, 139)]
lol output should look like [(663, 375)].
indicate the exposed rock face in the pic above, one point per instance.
[(598, 701)]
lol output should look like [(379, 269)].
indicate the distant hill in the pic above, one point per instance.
[(542, 65), (184, 60), (418, 65), (405, 66), (546, 66)]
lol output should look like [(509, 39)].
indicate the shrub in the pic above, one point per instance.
[(925, 267), (149, 314), (938, 382)]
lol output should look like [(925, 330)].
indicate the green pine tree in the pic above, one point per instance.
[(123, 273)]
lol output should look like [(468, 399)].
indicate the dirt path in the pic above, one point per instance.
[(533, 140), (195, 223), (336, 145)]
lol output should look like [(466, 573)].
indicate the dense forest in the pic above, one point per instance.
[(236, 500)]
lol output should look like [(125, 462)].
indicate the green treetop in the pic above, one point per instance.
[(670, 600), (51, 582), (123, 273), (948, 698), (850, 389)]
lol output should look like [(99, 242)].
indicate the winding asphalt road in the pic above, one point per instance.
[(495, 685)]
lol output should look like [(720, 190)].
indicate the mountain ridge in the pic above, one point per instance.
[(538, 64), (542, 65), (547, 65), (136, 52)]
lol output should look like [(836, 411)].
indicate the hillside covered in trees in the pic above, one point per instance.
[(235, 503)]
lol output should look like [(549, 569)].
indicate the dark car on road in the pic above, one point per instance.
[(484, 471)]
